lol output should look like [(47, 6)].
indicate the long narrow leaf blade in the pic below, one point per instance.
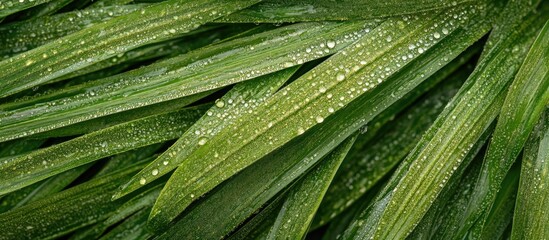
[(303, 199), (531, 211), (35, 166), (242, 98), (525, 102), (101, 41)]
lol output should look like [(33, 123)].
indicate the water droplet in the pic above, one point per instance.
[(322, 89), (319, 119), (300, 131), (219, 103), (165, 163), (445, 31), (436, 35), (340, 77), (202, 141), (331, 44), (142, 181), (389, 38), (155, 172)]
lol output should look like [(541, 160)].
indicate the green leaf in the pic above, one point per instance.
[(244, 97), (196, 39), (19, 146), (303, 199), (66, 211), (35, 166), (312, 98), (126, 158), (133, 228), (442, 215), (322, 10), (53, 185), (371, 158), (99, 123), (18, 37), (101, 41), (235, 200), (205, 69), (531, 216), (501, 214), (397, 211), (258, 227), (8, 7), (103, 3), (525, 102), (43, 9)]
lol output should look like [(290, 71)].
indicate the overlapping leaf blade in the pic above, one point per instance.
[(322, 10), (8, 7), (303, 199), (25, 35), (397, 212), (155, 23), (309, 100), (68, 210), (525, 102), (244, 97), (199, 71), (371, 158), (38, 165)]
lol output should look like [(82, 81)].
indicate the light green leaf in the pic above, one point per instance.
[(303, 199), (35, 166), (244, 97), (531, 211), (397, 211), (101, 41), (322, 10), (312, 98), (199, 71)]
